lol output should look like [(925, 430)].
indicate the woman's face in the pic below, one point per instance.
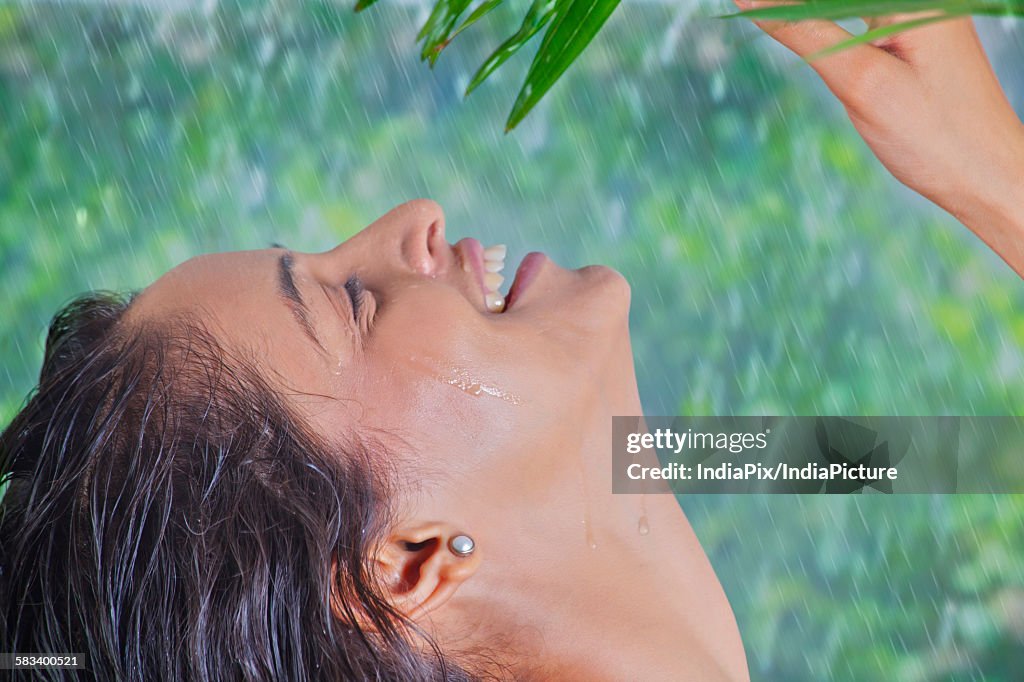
[(419, 363)]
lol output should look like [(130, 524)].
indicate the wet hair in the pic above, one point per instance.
[(170, 517)]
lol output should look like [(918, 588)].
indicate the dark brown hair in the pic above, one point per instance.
[(170, 517)]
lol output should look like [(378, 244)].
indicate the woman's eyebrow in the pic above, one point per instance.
[(292, 297)]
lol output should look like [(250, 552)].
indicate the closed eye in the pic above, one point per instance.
[(356, 294)]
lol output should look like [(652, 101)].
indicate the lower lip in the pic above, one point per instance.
[(526, 272)]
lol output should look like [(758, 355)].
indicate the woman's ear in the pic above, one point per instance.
[(418, 569)]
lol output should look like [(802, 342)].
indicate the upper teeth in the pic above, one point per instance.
[(494, 263)]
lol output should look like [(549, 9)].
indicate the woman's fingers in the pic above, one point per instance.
[(895, 44), (845, 72), (940, 37), (930, 107)]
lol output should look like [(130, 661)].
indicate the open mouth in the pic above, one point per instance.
[(488, 263)]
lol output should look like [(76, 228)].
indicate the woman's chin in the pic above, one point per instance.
[(610, 284)]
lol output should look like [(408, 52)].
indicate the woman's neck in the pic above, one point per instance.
[(604, 596), (576, 582)]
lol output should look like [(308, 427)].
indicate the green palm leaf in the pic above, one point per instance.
[(537, 16), (479, 13), (835, 10), (437, 30), (569, 33)]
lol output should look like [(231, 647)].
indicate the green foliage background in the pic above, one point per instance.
[(776, 268)]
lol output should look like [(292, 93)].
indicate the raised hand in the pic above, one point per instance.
[(930, 107)]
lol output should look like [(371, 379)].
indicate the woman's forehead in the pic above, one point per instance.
[(235, 295)]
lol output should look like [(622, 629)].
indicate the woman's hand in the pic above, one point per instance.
[(930, 107)]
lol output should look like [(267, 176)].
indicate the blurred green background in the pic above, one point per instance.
[(776, 268)]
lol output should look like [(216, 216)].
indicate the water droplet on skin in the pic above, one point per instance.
[(643, 526), (461, 379)]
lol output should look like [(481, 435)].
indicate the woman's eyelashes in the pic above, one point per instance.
[(356, 294)]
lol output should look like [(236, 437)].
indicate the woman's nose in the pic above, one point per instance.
[(409, 237), (420, 224)]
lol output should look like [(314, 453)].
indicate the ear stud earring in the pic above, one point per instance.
[(461, 545)]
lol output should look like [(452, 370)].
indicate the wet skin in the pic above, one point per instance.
[(497, 425)]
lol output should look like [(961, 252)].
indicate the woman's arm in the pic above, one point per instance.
[(930, 107)]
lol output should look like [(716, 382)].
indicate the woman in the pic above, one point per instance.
[(368, 464)]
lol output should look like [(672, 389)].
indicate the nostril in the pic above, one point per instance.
[(423, 244), (431, 236), (438, 249), (424, 249)]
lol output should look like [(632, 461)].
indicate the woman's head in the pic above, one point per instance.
[(243, 471), (420, 333), (469, 405)]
